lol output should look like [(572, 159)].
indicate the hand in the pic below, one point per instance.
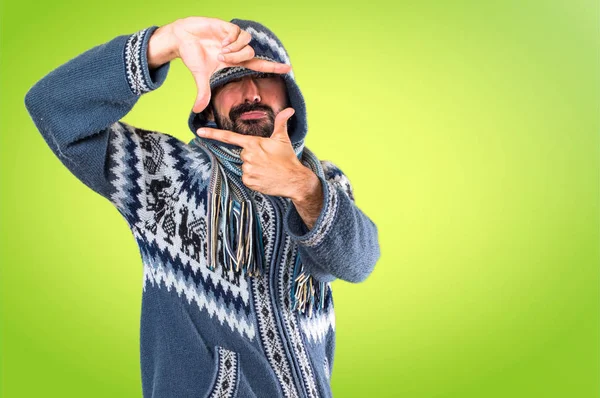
[(270, 165), (206, 45)]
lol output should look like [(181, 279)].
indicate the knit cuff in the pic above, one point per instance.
[(139, 77), (297, 229)]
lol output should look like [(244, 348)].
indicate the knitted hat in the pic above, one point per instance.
[(266, 46)]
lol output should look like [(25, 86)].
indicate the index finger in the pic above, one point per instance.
[(262, 65), (226, 136)]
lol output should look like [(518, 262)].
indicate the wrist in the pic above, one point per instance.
[(309, 187), (162, 47)]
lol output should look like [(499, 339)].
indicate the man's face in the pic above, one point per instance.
[(248, 105)]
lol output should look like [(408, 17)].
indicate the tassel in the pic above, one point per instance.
[(307, 294), (258, 265), (236, 221), (214, 209)]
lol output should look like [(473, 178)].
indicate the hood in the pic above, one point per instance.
[(266, 46)]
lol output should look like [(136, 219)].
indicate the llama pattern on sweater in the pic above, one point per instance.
[(159, 159)]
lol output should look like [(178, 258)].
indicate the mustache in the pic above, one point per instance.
[(238, 110)]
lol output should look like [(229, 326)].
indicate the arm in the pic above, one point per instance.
[(343, 242), (77, 107), (309, 201)]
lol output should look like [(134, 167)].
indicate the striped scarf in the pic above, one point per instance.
[(232, 212)]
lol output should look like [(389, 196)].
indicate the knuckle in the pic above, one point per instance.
[(255, 145), (179, 23), (233, 58), (271, 67)]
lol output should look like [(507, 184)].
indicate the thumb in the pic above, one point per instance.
[(280, 130), (197, 64), (203, 86)]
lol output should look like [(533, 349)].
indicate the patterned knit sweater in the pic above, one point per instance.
[(203, 332)]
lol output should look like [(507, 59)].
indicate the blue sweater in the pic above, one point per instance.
[(203, 332)]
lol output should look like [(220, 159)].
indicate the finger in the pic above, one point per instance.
[(245, 155), (280, 129), (193, 58), (226, 136), (203, 86), (232, 31), (262, 65), (244, 54), (242, 41)]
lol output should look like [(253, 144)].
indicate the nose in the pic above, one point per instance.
[(250, 90)]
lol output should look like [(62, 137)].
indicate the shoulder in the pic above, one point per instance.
[(152, 143), (158, 153)]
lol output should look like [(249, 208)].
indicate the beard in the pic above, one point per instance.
[(262, 127)]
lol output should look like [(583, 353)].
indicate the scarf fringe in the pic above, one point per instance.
[(308, 294), (232, 211), (236, 219)]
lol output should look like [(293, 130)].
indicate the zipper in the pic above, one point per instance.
[(293, 313), (272, 285)]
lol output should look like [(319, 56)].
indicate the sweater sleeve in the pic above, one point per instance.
[(77, 107), (343, 243)]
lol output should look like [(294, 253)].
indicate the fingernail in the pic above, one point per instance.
[(220, 57), (201, 132), (226, 50)]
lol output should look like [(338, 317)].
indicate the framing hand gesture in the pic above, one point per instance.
[(206, 45)]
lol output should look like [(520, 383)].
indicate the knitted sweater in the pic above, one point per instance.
[(204, 331)]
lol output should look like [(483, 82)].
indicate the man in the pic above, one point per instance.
[(241, 231)]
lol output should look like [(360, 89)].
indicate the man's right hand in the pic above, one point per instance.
[(206, 45)]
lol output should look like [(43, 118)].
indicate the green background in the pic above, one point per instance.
[(469, 131)]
